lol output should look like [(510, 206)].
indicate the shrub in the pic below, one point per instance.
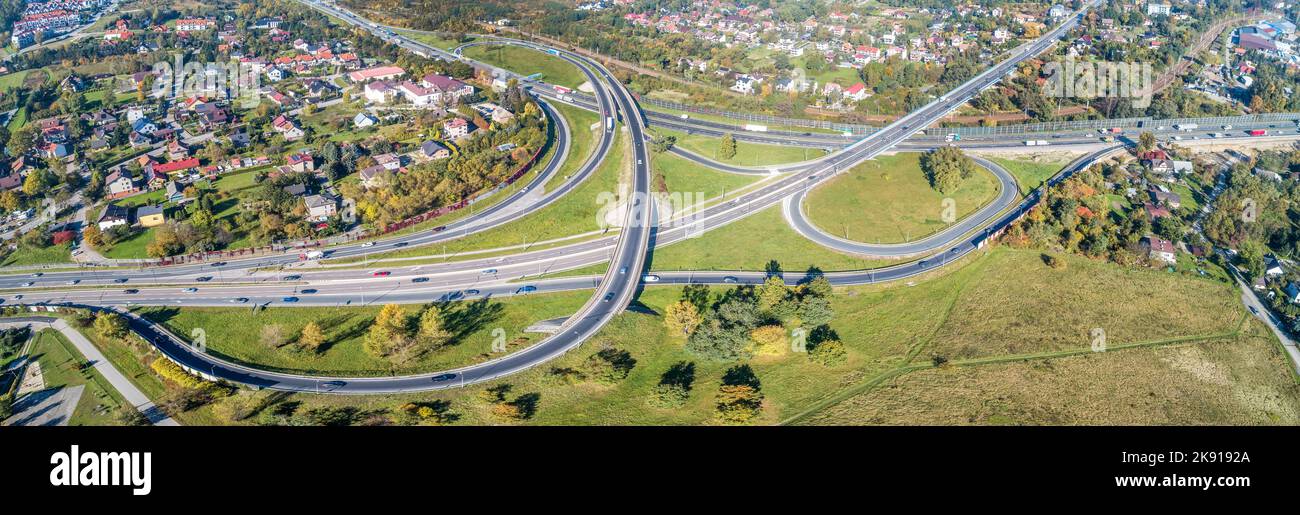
[(608, 366), (769, 340), (174, 373), (828, 353), (668, 395), (738, 403), (563, 376)]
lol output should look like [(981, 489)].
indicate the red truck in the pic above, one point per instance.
[(1257, 132)]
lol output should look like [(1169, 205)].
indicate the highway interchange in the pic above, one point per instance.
[(255, 280)]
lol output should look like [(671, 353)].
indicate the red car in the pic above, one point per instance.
[(383, 273)]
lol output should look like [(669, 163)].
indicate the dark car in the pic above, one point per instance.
[(609, 296), (400, 244), (420, 280), (471, 292), (130, 291), (120, 280), (442, 377), (291, 278), (440, 228), (290, 299), (219, 263), (204, 279), (526, 289), (308, 291)]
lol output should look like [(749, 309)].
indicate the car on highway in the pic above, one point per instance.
[(219, 263), (650, 278), (38, 274), (420, 280), (400, 244), (308, 291), (29, 283), (442, 377), (622, 270), (730, 279), (289, 299), (526, 289), (381, 273), (120, 280), (239, 300), (471, 292), (130, 291), (608, 297), (191, 290), (18, 297), (367, 244), (203, 279), (74, 281), (489, 271), (291, 278)]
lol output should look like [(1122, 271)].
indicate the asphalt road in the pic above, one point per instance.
[(616, 289)]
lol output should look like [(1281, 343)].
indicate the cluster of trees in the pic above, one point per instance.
[(522, 407), (740, 396), (403, 338), (1253, 210), (770, 319), (1076, 216), (945, 168), (607, 366)]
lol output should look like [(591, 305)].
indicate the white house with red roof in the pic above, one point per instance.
[(857, 92)]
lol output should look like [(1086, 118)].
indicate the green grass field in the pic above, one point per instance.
[(61, 367), (891, 331), (750, 244), (527, 62), (582, 141), (747, 154), (888, 200), (236, 333), (53, 254), (1030, 174), (133, 247), (683, 176)]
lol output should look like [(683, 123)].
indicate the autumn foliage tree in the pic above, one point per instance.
[(682, 318)]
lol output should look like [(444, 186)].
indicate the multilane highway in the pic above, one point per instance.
[(627, 254)]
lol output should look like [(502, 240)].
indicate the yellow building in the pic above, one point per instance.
[(150, 216)]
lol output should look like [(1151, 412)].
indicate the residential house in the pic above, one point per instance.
[(363, 120), (301, 162), (150, 216), (1161, 250), (455, 128), (434, 150), (112, 216), (319, 207), (120, 184), (288, 128), (389, 161), (372, 176)]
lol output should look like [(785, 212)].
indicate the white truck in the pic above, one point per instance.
[(315, 254), (753, 127), (1185, 126)]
